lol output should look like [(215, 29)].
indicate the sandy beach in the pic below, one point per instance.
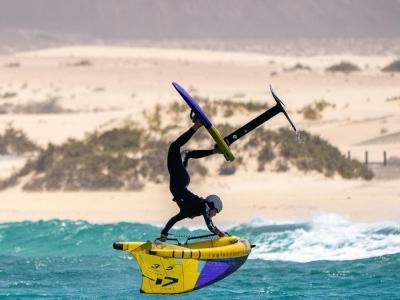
[(102, 85), (265, 198)]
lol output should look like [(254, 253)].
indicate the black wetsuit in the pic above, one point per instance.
[(190, 204)]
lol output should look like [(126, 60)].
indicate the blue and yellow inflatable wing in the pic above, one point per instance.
[(173, 269)]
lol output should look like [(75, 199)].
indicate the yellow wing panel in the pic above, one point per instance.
[(166, 275), (172, 269)]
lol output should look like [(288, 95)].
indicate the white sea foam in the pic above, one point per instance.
[(325, 237)]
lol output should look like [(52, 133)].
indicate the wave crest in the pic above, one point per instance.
[(325, 237)]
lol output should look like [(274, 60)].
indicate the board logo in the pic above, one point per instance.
[(170, 280)]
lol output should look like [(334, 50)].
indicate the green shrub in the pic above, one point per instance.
[(343, 67), (197, 168), (298, 67), (281, 166), (266, 155), (229, 112), (393, 99), (154, 161), (314, 111), (12, 65), (311, 113), (15, 141), (117, 140), (225, 128), (81, 63), (8, 95), (392, 67), (177, 107), (322, 104), (48, 106)]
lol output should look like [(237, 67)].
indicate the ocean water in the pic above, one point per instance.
[(326, 257)]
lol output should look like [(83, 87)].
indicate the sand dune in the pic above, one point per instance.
[(188, 55), (393, 138), (118, 83)]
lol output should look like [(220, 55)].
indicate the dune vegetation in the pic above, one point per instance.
[(127, 156), (314, 110), (392, 67), (15, 142), (343, 67)]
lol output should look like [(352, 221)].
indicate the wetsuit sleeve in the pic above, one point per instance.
[(210, 224), (196, 154), (184, 137), (172, 222)]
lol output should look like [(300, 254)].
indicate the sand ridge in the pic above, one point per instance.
[(120, 82)]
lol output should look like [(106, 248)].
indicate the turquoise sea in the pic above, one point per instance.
[(327, 257)]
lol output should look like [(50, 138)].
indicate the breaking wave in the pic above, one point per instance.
[(325, 237)]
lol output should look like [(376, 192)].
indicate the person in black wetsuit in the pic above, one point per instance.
[(190, 205)]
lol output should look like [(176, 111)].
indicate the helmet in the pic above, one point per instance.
[(216, 201)]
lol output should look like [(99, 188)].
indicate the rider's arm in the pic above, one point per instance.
[(211, 226), (172, 222)]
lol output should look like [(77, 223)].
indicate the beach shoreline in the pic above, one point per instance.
[(265, 197)]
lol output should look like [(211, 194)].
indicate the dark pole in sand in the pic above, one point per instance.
[(384, 158)]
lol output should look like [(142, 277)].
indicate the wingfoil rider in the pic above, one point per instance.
[(190, 205)]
